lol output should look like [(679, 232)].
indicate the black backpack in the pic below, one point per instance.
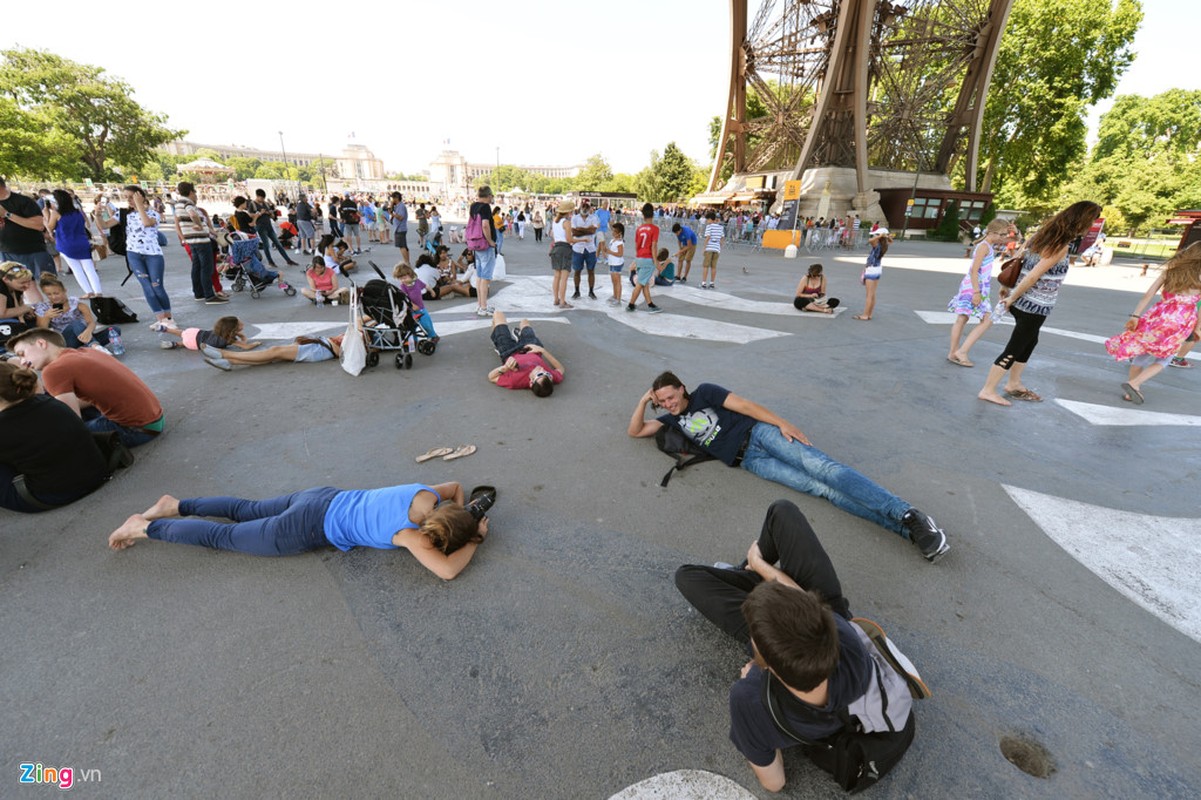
[(116, 234), (111, 311), (685, 451)]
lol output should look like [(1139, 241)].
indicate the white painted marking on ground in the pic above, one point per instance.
[(520, 294), (1126, 415), (1152, 560), (947, 318), (290, 330), (726, 302), (684, 784), (451, 327)]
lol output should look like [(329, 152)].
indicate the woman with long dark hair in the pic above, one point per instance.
[(142, 250), (1044, 266), (73, 241)]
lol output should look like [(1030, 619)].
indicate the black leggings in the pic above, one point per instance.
[(786, 537), (803, 300), (1022, 340), (537, 234)]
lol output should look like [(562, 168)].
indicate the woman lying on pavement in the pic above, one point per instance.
[(428, 521)]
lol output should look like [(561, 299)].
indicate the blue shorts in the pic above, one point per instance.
[(485, 263), (580, 260), (646, 270), (617, 267), (312, 353)]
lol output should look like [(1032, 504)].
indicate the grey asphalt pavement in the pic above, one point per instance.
[(562, 663)]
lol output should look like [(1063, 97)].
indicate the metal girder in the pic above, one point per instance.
[(855, 83)]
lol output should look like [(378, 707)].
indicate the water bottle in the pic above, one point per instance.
[(998, 312), (320, 298), (115, 345)]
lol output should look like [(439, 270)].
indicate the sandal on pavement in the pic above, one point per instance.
[(1023, 394), (960, 362), (460, 452), (862, 318), (1134, 395), (434, 453)]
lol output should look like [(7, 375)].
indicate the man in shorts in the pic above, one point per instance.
[(742, 433), (686, 236), (584, 225), (348, 214), (526, 363), (304, 223)]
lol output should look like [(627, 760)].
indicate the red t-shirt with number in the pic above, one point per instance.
[(645, 239)]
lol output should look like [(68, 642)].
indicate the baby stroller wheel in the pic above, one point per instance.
[(290, 291), (408, 360), (254, 293), (400, 360), (426, 347), (239, 284), (373, 358)]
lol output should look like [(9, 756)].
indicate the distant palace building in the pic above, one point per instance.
[(452, 176), (355, 161)]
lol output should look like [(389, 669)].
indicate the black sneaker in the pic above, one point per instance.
[(592, 295), (924, 532), (575, 296)]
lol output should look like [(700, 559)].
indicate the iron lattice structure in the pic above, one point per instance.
[(848, 83)]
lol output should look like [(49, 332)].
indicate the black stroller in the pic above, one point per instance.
[(393, 326)]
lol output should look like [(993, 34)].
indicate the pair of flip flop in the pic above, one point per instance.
[(960, 362), (1023, 394), (446, 453)]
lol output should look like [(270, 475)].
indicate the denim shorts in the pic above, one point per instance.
[(580, 260), (307, 231), (485, 263), (646, 270), (312, 353)]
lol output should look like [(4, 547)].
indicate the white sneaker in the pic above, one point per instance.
[(483, 312)]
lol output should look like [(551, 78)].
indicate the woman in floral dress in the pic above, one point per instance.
[(1151, 340)]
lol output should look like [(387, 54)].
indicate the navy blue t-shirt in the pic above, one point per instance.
[(717, 430), (752, 729)]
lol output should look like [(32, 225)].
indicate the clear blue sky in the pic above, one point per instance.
[(547, 83)]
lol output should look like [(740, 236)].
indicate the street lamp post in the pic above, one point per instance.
[(285, 155)]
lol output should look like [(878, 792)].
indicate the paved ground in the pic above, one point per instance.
[(562, 663)]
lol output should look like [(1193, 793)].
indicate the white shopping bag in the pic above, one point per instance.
[(498, 273), (354, 351)]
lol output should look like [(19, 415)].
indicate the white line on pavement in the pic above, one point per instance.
[(684, 784), (947, 318), (1126, 416), (1152, 560)]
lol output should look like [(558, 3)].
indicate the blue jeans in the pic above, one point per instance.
[(72, 331), (280, 526), (266, 237), (500, 241), (807, 469), (202, 269), (149, 272), (130, 437), (37, 263)]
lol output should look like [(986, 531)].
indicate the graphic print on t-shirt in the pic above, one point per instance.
[(700, 426)]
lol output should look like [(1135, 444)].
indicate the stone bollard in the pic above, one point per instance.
[(790, 251)]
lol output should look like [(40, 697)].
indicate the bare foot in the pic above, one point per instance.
[(167, 506), (993, 397), (128, 534)]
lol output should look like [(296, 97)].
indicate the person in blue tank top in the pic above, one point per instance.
[(428, 521)]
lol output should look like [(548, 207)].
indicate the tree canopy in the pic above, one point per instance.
[(1146, 163), (86, 122), (1057, 58)]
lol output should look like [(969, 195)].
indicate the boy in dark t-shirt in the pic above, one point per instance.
[(742, 433), (796, 625)]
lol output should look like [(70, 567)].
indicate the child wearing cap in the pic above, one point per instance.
[(878, 244)]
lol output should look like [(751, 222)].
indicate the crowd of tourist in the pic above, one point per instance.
[(64, 388)]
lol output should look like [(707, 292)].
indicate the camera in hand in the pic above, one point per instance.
[(59, 306), (482, 499)]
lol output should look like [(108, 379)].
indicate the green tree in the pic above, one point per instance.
[(668, 178), (595, 174), (244, 167), (1057, 57), (94, 111), (31, 147), (1147, 160), (948, 227)]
